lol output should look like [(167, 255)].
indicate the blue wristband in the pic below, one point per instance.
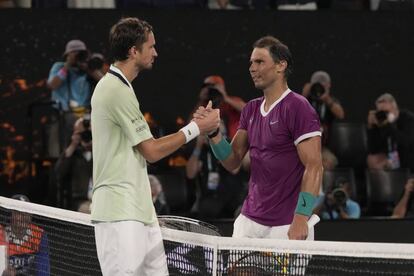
[(221, 150), (305, 204)]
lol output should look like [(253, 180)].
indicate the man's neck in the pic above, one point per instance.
[(274, 92), (127, 68)]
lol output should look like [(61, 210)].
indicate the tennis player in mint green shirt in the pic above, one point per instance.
[(128, 238)]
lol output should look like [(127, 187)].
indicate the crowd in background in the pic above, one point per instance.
[(207, 190), (304, 5)]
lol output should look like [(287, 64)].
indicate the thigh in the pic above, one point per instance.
[(278, 232), (281, 232), (155, 259), (121, 247), (247, 228)]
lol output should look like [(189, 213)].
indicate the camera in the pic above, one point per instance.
[(339, 196), (381, 116), (339, 193), (214, 96), (316, 91), (82, 57)]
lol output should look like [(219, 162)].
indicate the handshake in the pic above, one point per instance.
[(206, 120)]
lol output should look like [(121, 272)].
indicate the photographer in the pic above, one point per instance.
[(68, 79), (390, 135), (74, 167), (214, 88), (318, 93), (71, 82), (336, 203)]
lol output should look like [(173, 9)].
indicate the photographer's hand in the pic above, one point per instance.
[(372, 119), (76, 139)]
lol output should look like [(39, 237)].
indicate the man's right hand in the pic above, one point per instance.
[(207, 118)]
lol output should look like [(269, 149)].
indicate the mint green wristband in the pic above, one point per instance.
[(221, 150), (305, 204)]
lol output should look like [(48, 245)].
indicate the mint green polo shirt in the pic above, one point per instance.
[(121, 189)]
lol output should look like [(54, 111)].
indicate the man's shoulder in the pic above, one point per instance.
[(256, 101), (296, 98), (112, 87)]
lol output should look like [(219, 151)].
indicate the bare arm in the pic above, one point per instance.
[(401, 209), (236, 103), (309, 152), (156, 149), (55, 83), (335, 107), (239, 147)]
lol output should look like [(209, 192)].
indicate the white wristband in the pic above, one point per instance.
[(190, 131)]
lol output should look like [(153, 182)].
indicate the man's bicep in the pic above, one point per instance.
[(309, 151)]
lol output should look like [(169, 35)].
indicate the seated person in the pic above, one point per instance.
[(158, 197), (405, 207), (336, 203), (28, 246)]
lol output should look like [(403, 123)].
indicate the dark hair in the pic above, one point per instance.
[(128, 32), (278, 51)]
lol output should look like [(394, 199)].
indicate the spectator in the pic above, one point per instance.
[(28, 247), (329, 109), (336, 203), (158, 197), (71, 90), (390, 135), (214, 88), (68, 79), (405, 207), (220, 192), (74, 166)]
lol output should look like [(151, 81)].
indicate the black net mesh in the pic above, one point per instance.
[(42, 245)]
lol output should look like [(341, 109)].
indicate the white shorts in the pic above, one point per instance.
[(247, 228), (130, 248)]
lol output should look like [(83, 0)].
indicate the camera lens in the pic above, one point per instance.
[(86, 123), (214, 96), (86, 136), (339, 196), (381, 115), (317, 90)]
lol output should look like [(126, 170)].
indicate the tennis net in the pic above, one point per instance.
[(70, 250)]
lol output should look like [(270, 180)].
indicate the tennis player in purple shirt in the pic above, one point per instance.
[(281, 132)]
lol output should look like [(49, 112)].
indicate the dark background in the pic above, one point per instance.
[(366, 54)]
